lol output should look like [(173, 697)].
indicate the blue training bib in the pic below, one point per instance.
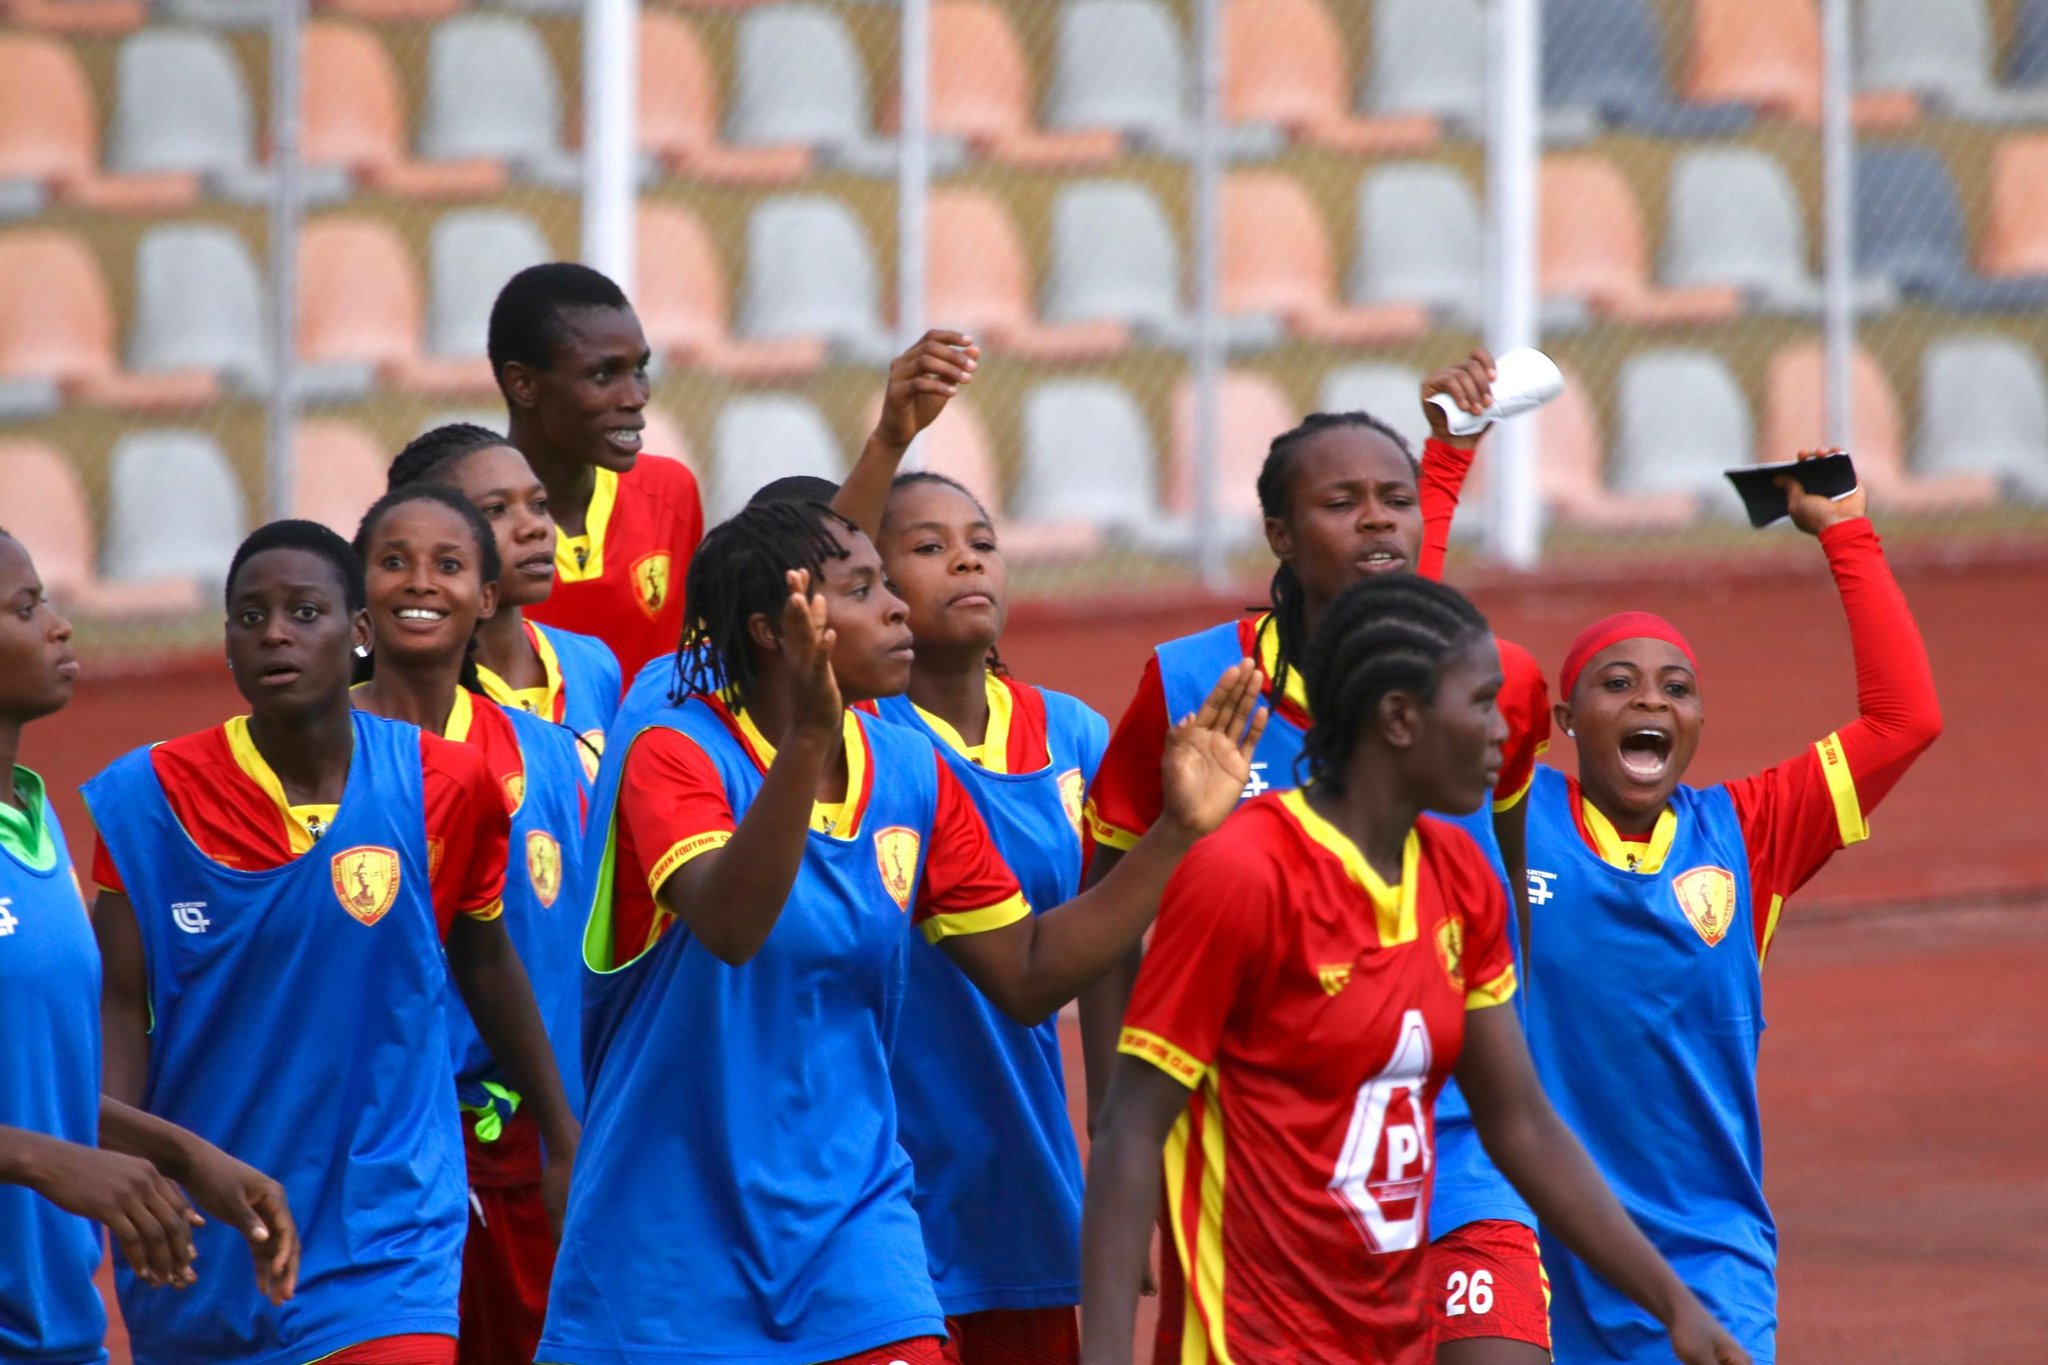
[(590, 691)]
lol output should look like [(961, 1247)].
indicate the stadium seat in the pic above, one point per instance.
[(1733, 218), (1284, 66), (57, 329), (82, 18), (978, 280), (1429, 56), (1942, 52), (1984, 410), (50, 138), (198, 305), (1277, 262), (2015, 237), (492, 92), (799, 81), (678, 113), (391, 11), (1120, 64), (1570, 478), (360, 318), (1254, 409), (355, 118), (1680, 420), (1603, 61), (180, 105), (1909, 232), (2027, 65), (471, 253), (981, 92), (1088, 459), (1388, 392), (1769, 56), (1114, 258), (762, 437), (1593, 247), (680, 294), (1795, 419), (1419, 241), (60, 536), (174, 510), (811, 273), (337, 472)]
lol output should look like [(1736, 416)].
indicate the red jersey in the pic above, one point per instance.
[(234, 808), (1314, 1011), (622, 579)]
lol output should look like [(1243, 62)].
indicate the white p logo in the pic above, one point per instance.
[(190, 916)]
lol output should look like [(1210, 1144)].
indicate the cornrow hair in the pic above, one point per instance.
[(916, 478), (489, 565), (739, 572), (1287, 599), (314, 539), (432, 451), (1392, 633)]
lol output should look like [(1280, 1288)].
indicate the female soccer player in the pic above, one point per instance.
[(1321, 965), (749, 931), (552, 673), (69, 1159), (1655, 905), (431, 572), (276, 892), (1342, 504)]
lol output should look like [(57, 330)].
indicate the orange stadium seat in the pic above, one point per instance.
[(1284, 65), (2015, 239), (1277, 260), (337, 472), (680, 293), (1795, 419), (981, 91), (57, 324), (1254, 410), (359, 303), (355, 117), (679, 112), (978, 280), (1768, 55), (94, 18), (50, 134), (60, 537), (1593, 246)]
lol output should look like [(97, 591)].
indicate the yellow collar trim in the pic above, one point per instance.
[(460, 716), (1269, 662), (1393, 906), (579, 559), (1625, 854), (827, 817), (993, 753), (299, 821), (539, 701)]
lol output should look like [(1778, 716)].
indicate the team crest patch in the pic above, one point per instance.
[(1450, 949), (366, 881), (591, 751), (1707, 896), (896, 856), (1333, 977), (515, 790), (1072, 789), (544, 865), (650, 582)]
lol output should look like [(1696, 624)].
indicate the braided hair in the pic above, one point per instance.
[(430, 452), (488, 563), (1276, 477), (315, 539), (739, 572), (1386, 634), (917, 478)]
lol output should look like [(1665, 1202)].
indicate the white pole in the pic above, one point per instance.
[(611, 41), (1838, 210), (287, 206), (1514, 137), (1208, 272), (913, 167)]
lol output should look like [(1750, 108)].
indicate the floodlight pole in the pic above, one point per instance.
[(611, 51), (1208, 269), (287, 207), (1514, 139), (1838, 209)]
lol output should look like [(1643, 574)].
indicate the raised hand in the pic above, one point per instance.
[(146, 1213), (1208, 755), (921, 380), (1469, 384), (1811, 512), (807, 643), (243, 1197)]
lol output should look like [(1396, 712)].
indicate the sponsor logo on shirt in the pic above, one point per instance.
[(366, 881), (650, 582), (896, 856), (1072, 790), (544, 865), (8, 922), (1539, 886), (190, 916), (1707, 896), (1258, 783), (1333, 976), (1450, 949)]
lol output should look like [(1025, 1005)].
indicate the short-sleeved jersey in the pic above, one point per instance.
[(1314, 1011), (581, 690), (234, 808), (622, 580)]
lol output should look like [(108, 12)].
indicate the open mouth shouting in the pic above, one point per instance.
[(1646, 754)]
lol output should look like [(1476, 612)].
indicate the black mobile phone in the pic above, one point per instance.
[(1831, 476)]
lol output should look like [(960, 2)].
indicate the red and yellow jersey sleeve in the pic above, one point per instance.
[(233, 820), (672, 809), (469, 831), (1126, 798), (1472, 893), (1525, 705), (967, 887)]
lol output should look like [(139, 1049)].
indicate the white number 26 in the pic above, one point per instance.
[(1469, 1295)]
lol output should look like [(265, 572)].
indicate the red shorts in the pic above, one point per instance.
[(410, 1350), (1486, 1280), (509, 1256), (916, 1351), (1017, 1336)]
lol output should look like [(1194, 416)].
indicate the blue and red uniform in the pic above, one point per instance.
[(622, 579), (582, 688)]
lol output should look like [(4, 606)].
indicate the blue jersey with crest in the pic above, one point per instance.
[(298, 1025), (1645, 1035), (983, 1099), (1468, 1187), (590, 690)]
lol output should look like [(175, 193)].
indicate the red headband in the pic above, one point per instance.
[(1624, 625)]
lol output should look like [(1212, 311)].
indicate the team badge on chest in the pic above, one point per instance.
[(366, 881), (650, 582), (1707, 896), (544, 865), (1072, 789), (896, 856)]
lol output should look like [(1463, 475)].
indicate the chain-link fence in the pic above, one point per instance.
[(1682, 247)]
